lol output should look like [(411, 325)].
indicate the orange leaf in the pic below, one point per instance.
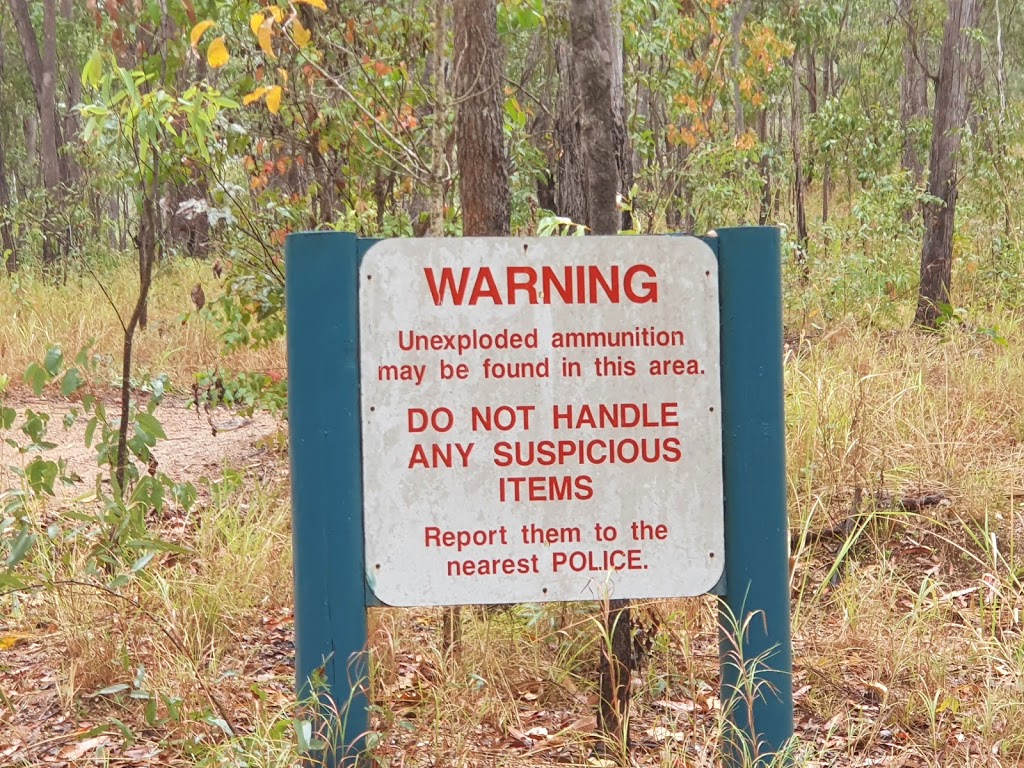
[(274, 99), (263, 35), (315, 3), (300, 34), (217, 53), (198, 30), (256, 95)]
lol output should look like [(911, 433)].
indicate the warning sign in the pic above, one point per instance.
[(541, 419)]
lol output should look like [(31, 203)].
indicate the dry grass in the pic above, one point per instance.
[(908, 641), (179, 340)]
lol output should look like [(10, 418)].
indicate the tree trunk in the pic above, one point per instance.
[(42, 69), (68, 129), (602, 128), (739, 15), (1000, 65), (570, 192), (764, 168), (438, 132), (623, 151), (951, 106), (593, 55), (8, 246), (483, 169), (798, 171), (913, 95)]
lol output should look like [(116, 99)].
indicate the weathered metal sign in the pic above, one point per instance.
[(541, 419)]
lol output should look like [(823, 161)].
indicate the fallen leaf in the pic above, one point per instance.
[(661, 734), (684, 705), (76, 751)]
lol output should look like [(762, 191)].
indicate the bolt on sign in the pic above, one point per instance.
[(541, 419)]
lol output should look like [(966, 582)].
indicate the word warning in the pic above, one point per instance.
[(541, 419)]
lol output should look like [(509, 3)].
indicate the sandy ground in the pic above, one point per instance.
[(198, 444)]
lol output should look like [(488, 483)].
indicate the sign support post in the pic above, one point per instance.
[(331, 593), (321, 292), (755, 647)]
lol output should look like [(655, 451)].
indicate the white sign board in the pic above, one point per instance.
[(541, 419)]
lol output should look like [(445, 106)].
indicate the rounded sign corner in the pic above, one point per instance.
[(374, 598)]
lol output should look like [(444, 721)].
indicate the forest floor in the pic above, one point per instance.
[(906, 487)]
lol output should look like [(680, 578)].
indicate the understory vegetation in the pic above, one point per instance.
[(149, 176), (906, 489)]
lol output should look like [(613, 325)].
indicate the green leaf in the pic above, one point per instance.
[(158, 545), (7, 417), (20, 548), (303, 734), (53, 361), (143, 561), (92, 72), (36, 378), (110, 690), (10, 581), (150, 425), (35, 426), (41, 474), (71, 382), (90, 428)]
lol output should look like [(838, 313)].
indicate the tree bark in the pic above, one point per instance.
[(739, 15), (68, 129), (798, 171), (438, 132), (913, 94), (483, 168), (570, 192), (623, 150), (602, 127), (951, 107), (8, 245), (42, 69), (764, 168), (593, 55)]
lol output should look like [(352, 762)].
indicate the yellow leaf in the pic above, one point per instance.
[(283, 74), (277, 13), (274, 99), (263, 35), (198, 30), (217, 53), (255, 95), (315, 3), (300, 34), (255, 22)]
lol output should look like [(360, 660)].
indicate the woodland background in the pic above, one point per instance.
[(154, 155)]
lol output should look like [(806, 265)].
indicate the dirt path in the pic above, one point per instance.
[(197, 444)]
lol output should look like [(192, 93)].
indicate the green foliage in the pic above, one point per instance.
[(116, 529)]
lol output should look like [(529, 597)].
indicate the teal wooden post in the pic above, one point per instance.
[(321, 294), (754, 614)]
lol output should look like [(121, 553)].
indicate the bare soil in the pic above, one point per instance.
[(198, 444)]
